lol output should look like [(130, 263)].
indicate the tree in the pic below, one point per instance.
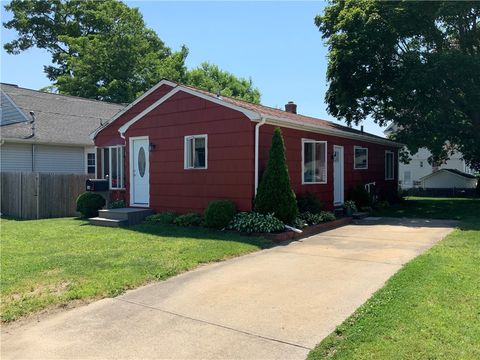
[(411, 62), (103, 50), (211, 78), (275, 194), (100, 49)]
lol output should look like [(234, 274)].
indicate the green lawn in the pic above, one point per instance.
[(430, 309), (49, 263)]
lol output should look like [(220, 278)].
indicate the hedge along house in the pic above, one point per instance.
[(177, 148)]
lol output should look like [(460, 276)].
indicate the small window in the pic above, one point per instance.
[(421, 163), (389, 165), (196, 152), (314, 162), (113, 166), (91, 163), (360, 161)]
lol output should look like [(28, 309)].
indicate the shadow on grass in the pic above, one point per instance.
[(193, 232)]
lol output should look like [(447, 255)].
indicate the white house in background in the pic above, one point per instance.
[(410, 175), (45, 132), (448, 178)]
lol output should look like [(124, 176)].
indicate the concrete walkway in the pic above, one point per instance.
[(277, 303)]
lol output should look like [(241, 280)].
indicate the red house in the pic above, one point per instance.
[(177, 148)]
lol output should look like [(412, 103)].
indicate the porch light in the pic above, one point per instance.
[(151, 147)]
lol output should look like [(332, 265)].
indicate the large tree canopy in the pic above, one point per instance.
[(210, 77), (411, 62), (100, 49), (103, 50)]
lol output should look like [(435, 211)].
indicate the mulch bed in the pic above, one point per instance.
[(307, 231)]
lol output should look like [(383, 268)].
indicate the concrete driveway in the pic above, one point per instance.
[(277, 303)]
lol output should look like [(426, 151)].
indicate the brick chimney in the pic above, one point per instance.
[(291, 107)]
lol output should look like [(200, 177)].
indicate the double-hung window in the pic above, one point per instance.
[(90, 163), (114, 166), (195, 152), (360, 161), (314, 162), (389, 165)]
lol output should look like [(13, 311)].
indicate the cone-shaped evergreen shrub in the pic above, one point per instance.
[(275, 194)]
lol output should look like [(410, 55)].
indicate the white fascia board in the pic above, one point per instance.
[(250, 114), (129, 106), (323, 130)]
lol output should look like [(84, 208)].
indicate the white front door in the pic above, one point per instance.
[(338, 175), (139, 171)]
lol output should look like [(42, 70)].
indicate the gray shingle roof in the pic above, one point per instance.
[(60, 119)]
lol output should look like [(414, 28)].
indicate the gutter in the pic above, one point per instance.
[(257, 141)]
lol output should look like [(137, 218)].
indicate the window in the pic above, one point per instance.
[(389, 165), (314, 162), (421, 163), (113, 166), (90, 163), (196, 152), (407, 177), (360, 161)]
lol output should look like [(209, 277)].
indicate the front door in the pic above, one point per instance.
[(338, 175), (139, 171)]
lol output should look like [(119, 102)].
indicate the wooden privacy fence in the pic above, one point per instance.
[(40, 195)]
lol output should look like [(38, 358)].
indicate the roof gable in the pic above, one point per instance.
[(10, 113), (60, 119)]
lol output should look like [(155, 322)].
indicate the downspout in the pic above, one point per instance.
[(257, 141)]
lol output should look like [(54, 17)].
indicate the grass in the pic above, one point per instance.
[(52, 262), (430, 309)]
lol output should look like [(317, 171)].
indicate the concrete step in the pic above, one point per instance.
[(100, 221), (131, 215), (360, 215)]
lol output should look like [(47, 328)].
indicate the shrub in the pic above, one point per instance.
[(117, 204), (360, 196), (350, 204), (309, 202), (166, 217), (89, 203), (299, 223), (314, 219), (190, 219), (249, 222), (275, 195), (219, 213)]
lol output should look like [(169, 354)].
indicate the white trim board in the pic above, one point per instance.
[(129, 106)]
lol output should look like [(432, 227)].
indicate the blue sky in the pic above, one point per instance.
[(274, 43)]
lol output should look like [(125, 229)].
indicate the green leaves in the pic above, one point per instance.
[(103, 50), (275, 194), (414, 63), (211, 78)]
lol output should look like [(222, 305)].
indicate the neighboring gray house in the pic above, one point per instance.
[(448, 178), (45, 132)]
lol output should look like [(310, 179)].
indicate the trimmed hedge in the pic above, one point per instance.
[(219, 213), (89, 203)]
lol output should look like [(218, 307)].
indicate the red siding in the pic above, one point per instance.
[(230, 154), (230, 173), (109, 136), (293, 145)]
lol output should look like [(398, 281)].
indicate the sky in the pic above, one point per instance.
[(276, 44)]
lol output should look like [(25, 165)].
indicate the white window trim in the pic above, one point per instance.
[(354, 151), (121, 169), (89, 150), (388, 152), (185, 139), (304, 141)]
